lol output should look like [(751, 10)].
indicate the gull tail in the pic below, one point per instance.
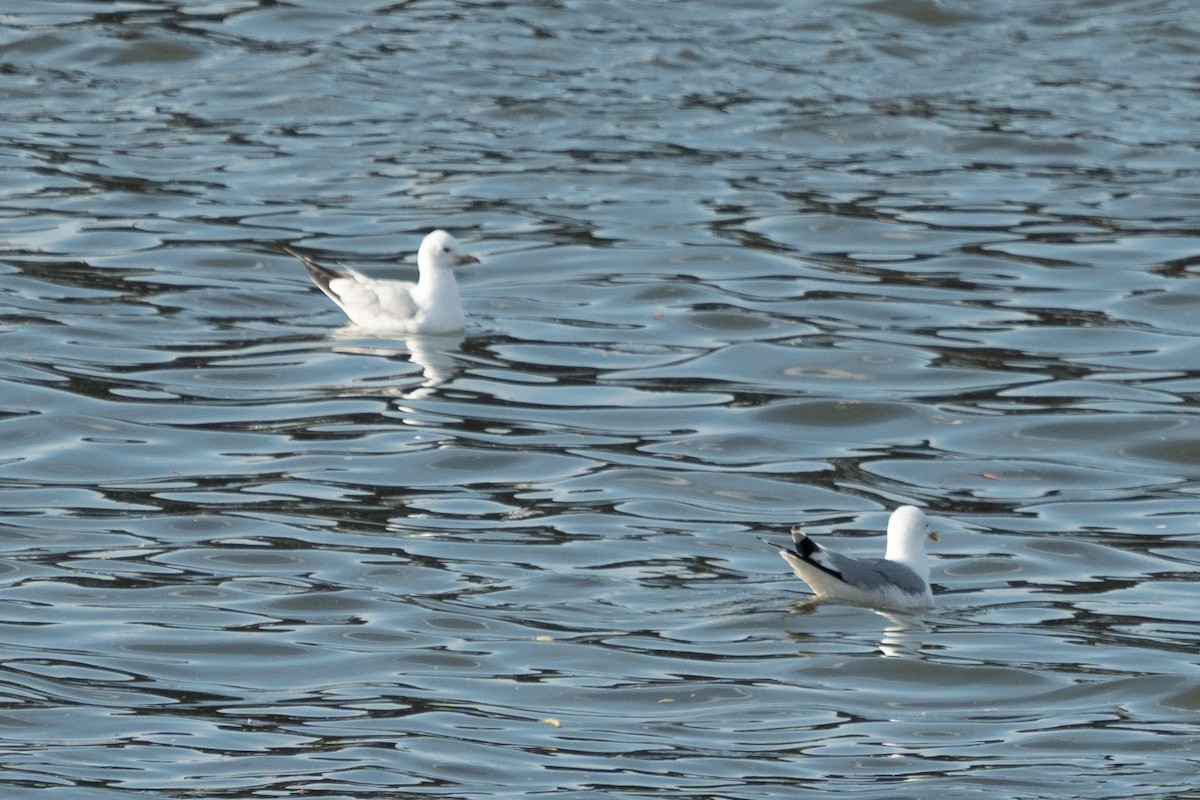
[(806, 551), (321, 275)]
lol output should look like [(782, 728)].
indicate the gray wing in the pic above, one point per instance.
[(871, 574), (371, 301)]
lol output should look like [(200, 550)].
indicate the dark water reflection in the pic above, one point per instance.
[(743, 268)]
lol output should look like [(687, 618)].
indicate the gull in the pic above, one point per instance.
[(899, 580), (431, 305)]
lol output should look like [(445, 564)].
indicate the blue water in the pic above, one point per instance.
[(741, 269)]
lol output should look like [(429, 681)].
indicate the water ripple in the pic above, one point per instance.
[(743, 268)]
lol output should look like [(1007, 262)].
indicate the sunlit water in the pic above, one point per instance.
[(742, 268)]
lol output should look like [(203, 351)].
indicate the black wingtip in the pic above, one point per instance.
[(804, 546), (291, 251), (808, 551), (320, 275)]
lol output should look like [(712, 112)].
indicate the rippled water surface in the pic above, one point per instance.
[(741, 268)]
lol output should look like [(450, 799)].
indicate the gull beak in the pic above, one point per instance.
[(933, 535), (467, 259)]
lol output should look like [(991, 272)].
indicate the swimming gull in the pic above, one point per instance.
[(899, 580), (431, 305)]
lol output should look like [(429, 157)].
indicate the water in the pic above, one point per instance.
[(789, 263)]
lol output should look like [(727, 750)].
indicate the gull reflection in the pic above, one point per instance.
[(902, 638), (438, 355)]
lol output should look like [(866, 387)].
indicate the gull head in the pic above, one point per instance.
[(907, 530), (440, 250)]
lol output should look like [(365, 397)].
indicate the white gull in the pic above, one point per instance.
[(431, 305), (899, 580)]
